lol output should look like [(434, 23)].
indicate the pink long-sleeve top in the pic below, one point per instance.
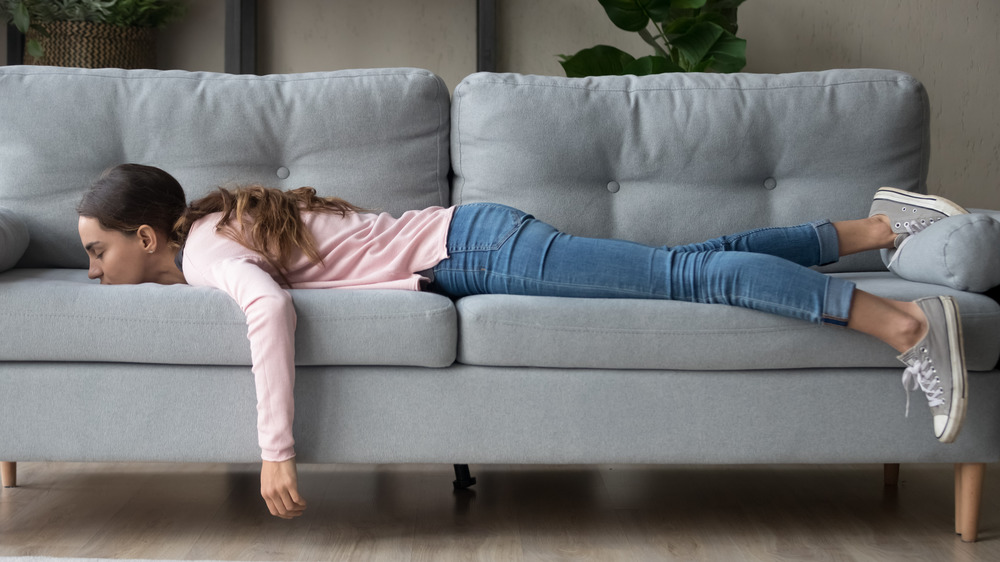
[(359, 251)]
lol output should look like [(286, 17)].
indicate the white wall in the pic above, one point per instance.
[(950, 46)]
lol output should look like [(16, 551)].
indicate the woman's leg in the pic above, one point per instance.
[(808, 244), (872, 233), (900, 324), (496, 249)]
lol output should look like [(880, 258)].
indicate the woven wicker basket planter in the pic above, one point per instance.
[(85, 44)]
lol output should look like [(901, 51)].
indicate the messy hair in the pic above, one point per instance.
[(267, 220)]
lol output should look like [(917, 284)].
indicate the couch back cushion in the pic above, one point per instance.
[(680, 158), (378, 138)]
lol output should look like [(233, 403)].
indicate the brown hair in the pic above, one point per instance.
[(130, 195), (269, 219)]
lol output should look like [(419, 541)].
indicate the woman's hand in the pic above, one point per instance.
[(279, 485)]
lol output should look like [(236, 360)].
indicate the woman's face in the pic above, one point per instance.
[(116, 258)]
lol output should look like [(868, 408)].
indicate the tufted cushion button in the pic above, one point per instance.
[(613, 186), (770, 183), (283, 173)]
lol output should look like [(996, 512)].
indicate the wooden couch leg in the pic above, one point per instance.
[(8, 473), (890, 473), (968, 496)]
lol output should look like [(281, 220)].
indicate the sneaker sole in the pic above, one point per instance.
[(958, 376), (938, 204)]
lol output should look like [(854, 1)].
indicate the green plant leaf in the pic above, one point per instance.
[(729, 53), (34, 49), (626, 14), (687, 4), (633, 15), (703, 66), (658, 10), (725, 12), (679, 26), (601, 60), (649, 39), (695, 44), (651, 64), (21, 17), (719, 5), (689, 36)]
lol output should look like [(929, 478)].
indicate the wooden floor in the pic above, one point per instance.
[(515, 512)]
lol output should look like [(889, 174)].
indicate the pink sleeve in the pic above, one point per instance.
[(271, 330)]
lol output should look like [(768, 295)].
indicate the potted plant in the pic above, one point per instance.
[(90, 33), (687, 36)]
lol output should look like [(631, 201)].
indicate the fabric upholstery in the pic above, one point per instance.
[(680, 158), (468, 414), (378, 138), (667, 160), (13, 239), (59, 315), (961, 252), (514, 331)]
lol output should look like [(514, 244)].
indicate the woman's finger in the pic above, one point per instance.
[(299, 500), (270, 506), (289, 504)]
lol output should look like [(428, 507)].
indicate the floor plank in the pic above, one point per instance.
[(515, 512)]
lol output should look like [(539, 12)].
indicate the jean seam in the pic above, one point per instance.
[(517, 221), (645, 294), (744, 235)]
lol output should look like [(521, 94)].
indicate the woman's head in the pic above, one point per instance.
[(127, 222)]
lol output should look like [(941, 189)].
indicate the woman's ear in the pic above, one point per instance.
[(147, 238)]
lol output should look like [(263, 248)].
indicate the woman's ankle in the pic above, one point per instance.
[(912, 327), (871, 233)]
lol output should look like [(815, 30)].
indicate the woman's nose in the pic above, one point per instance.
[(94, 272)]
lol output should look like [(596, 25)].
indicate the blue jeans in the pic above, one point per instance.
[(495, 249)]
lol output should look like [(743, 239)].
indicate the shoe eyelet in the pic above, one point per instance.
[(898, 225), (914, 210), (904, 209)]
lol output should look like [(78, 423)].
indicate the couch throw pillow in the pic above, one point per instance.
[(961, 252), (13, 239)]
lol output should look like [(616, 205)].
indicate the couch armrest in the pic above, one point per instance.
[(959, 252), (13, 239)]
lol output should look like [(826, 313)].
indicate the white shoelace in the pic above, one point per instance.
[(920, 375), (911, 228)]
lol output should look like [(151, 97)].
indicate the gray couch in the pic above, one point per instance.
[(162, 373)]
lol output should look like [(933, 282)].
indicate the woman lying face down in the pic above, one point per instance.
[(254, 243), (129, 233)]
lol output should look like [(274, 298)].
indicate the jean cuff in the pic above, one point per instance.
[(837, 303), (829, 242)]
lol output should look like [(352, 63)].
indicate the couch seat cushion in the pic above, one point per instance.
[(506, 330), (60, 315)]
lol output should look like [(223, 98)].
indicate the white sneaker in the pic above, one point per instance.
[(909, 212), (936, 365)]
